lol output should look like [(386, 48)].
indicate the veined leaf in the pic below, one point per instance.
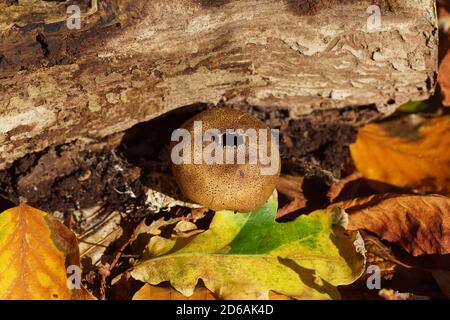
[(244, 256), (418, 158), (419, 224), (35, 251)]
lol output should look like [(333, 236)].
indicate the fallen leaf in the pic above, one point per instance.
[(337, 187), (246, 255), (377, 253), (177, 226), (186, 229), (149, 292), (419, 224), (417, 159), (414, 106), (163, 193), (444, 80), (173, 227), (156, 226), (389, 294), (444, 54), (94, 243), (35, 252), (291, 187), (444, 17), (158, 201), (442, 278), (197, 214), (294, 205)]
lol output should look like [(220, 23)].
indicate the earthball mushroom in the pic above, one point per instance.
[(225, 159)]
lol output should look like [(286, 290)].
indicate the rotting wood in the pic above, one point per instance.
[(134, 60)]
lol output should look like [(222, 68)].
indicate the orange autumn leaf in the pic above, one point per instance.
[(419, 224), (35, 251), (418, 160), (444, 79), (444, 54)]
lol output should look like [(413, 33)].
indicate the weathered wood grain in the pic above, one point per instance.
[(134, 60)]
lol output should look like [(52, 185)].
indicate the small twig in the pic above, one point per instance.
[(133, 237), (93, 243), (105, 270), (68, 219)]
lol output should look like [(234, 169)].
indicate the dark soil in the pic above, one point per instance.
[(65, 177), (316, 145)]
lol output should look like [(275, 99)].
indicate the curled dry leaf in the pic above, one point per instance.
[(158, 201), (247, 255), (419, 224), (35, 251), (379, 254), (163, 192), (418, 158), (291, 187)]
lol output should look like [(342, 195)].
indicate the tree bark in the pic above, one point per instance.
[(134, 60)]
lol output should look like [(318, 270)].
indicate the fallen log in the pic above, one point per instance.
[(132, 61)]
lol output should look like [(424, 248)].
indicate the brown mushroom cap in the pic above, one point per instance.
[(238, 187)]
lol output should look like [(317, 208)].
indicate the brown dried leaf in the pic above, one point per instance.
[(419, 224), (291, 187), (337, 187), (296, 204), (442, 278), (381, 255)]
